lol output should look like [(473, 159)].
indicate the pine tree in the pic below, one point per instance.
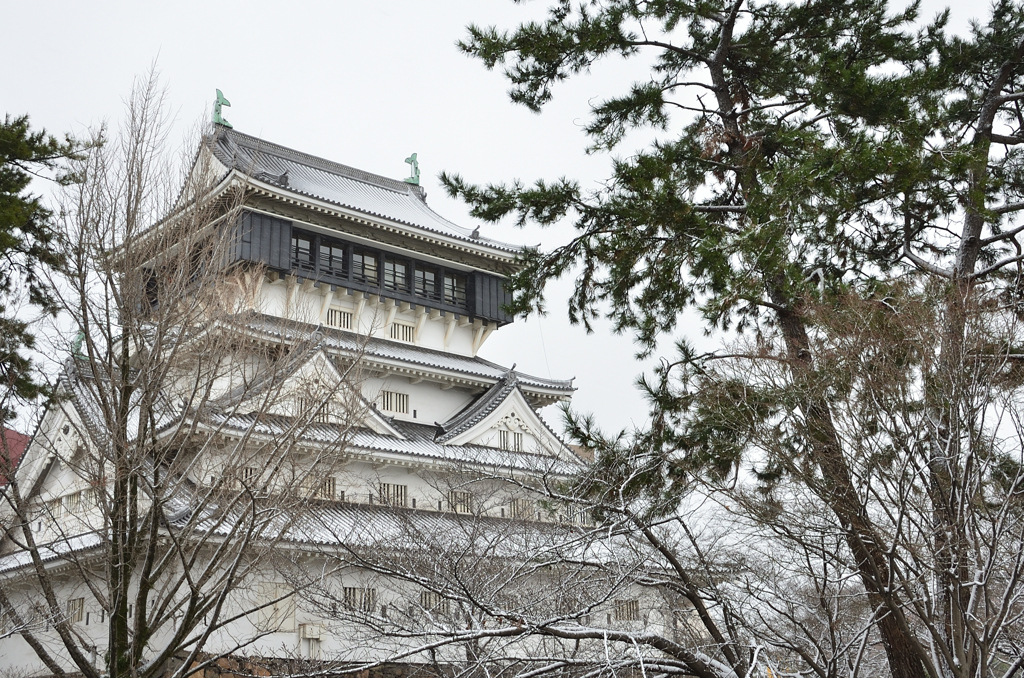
[(810, 156), (26, 244)]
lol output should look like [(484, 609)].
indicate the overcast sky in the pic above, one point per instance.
[(361, 83)]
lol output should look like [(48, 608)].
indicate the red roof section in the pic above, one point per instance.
[(12, 446)]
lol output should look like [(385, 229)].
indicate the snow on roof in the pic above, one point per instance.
[(372, 347), (53, 551), (297, 172), (418, 442)]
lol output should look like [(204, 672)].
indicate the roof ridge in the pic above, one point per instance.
[(325, 164)]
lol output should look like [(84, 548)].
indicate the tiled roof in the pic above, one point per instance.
[(480, 408), (418, 443), (372, 347), (296, 172)]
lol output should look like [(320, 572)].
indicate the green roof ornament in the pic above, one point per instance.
[(76, 346), (218, 119), (414, 178)]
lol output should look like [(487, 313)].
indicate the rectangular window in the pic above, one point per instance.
[(460, 502), (521, 509), (396, 275), (390, 401), (317, 412), (72, 503), (55, 507), (250, 475), (302, 253), (511, 441), (435, 602), (332, 259), (627, 610), (338, 318), (360, 599), (454, 289), (426, 283), (364, 267), (393, 495), (322, 488), (277, 607), (403, 332), (76, 610)]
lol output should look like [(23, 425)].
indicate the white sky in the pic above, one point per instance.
[(365, 84)]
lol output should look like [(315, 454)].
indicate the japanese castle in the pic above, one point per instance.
[(362, 290)]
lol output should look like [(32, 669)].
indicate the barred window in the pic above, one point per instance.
[(55, 508), (359, 598), (627, 610), (72, 503), (432, 601), (403, 332), (392, 401), (319, 412), (522, 509), (340, 319), (393, 495), (76, 610), (396, 275), (322, 488), (460, 502), (510, 440)]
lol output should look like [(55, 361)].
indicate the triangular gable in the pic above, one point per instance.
[(320, 374), (503, 418)]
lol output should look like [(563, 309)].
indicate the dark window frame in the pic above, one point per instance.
[(348, 275)]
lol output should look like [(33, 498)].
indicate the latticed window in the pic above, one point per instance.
[(393, 495), (339, 318), (364, 267), (396, 275), (302, 253), (627, 610), (392, 401), (76, 610), (460, 502), (403, 332), (435, 602), (359, 598)]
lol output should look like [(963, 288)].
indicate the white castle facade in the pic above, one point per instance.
[(309, 511)]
